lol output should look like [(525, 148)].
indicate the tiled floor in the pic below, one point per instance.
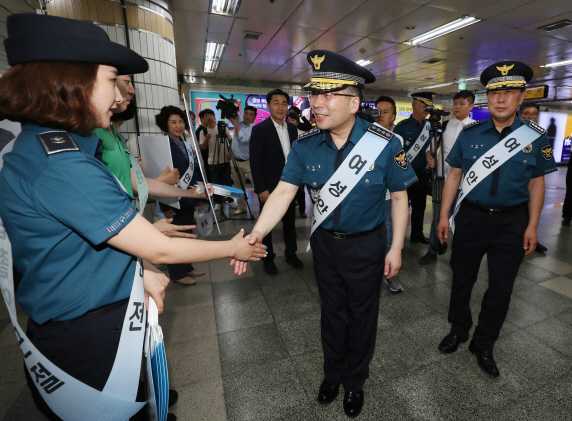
[(248, 348)]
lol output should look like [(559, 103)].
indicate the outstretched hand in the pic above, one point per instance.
[(253, 238), (171, 230), (245, 249)]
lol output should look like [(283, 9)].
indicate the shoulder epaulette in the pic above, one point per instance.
[(57, 141), (535, 127), (380, 131), (310, 133), (473, 124)]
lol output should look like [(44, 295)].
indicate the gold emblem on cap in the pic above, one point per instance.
[(504, 69), (317, 61)]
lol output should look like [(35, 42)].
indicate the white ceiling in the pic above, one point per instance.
[(291, 28)]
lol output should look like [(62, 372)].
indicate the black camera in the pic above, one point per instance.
[(368, 114), (435, 114), (227, 107), (221, 125)]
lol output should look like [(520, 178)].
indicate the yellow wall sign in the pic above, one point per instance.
[(536, 92)]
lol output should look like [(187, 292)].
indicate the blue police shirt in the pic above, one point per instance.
[(59, 210), (312, 161), (476, 139), (410, 129)]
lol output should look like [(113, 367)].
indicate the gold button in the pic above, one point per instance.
[(314, 184), (367, 181), (474, 157), (525, 161)]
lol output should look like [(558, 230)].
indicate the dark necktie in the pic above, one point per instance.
[(496, 173)]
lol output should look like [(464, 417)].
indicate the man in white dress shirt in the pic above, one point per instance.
[(463, 103)]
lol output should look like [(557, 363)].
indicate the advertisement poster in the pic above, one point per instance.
[(202, 100), (559, 129)]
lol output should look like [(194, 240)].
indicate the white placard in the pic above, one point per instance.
[(155, 158)]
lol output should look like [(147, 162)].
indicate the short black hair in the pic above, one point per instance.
[(294, 115), (386, 99), (192, 114), (273, 92), (354, 90), (295, 109), (250, 108), (465, 94), (128, 114), (526, 105), (162, 119), (206, 111)]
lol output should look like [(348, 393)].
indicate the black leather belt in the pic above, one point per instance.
[(506, 209), (240, 160), (347, 235)]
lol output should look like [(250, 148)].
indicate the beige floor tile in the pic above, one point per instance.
[(193, 361), (552, 264), (188, 325), (560, 285), (222, 271)]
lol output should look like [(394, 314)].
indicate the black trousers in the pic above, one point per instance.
[(85, 348), (288, 231), (182, 217), (301, 198), (567, 209), (418, 200), (501, 238), (349, 274)]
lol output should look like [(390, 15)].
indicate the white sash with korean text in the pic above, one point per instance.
[(187, 177), (142, 188), (349, 173), (493, 159), (419, 143), (69, 398)]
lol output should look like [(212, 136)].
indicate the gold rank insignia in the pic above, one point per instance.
[(546, 152), (504, 69), (317, 60)]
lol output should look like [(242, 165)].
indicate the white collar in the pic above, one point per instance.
[(278, 126)]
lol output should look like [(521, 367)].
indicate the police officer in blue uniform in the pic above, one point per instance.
[(349, 245), (499, 216), (74, 232), (410, 130)]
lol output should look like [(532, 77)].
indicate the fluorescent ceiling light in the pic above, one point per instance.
[(470, 79), (560, 63), (364, 62), (212, 56), (437, 86), (443, 30), (225, 7)]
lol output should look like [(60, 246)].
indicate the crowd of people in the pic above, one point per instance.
[(72, 193)]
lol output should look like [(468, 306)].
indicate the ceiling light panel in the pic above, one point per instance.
[(363, 62), (212, 56), (558, 64), (225, 7), (443, 30)]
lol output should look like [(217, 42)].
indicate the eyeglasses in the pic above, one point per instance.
[(326, 96), (530, 114), (385, 111)]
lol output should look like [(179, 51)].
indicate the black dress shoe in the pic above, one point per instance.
[(442, 249), (485, 360), (293, 260), (450, 343), (328, 392), (173, 397), (303, 215), (419, 238), (428, 258), (540, 248), (269, 267), (353, 402), (566, 222)]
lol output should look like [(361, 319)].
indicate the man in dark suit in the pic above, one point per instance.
[(270, 144)]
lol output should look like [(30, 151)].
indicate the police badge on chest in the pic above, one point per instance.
[(315, 195)]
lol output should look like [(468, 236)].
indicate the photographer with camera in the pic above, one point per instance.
[(216, 138), (241, 151), (463, 103)]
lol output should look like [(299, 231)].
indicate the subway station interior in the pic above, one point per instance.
[(248, 347)]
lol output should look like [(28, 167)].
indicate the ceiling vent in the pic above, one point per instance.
[(556, 25), (433, 60), (252, 35)]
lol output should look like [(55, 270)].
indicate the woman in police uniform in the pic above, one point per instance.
[(73, 230)]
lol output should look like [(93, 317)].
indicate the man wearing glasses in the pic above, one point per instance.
[(347, 164)]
